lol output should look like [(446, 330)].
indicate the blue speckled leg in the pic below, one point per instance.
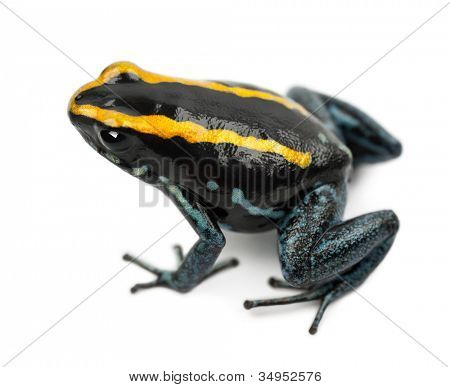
[(317, 249), (197, 265), (366, 138)]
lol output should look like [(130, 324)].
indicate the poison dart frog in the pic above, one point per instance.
[(235, 156)]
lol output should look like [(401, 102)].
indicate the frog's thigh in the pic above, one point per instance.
[(366, 138), (340, 248)]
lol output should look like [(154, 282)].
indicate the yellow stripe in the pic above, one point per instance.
[(117, 68), (166, 128)]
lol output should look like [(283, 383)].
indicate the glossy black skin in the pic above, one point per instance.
[(265, 178), (318, 250)]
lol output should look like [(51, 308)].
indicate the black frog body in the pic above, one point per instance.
[(236, 156)]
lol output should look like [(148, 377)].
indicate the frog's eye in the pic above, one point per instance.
[(115, 141)]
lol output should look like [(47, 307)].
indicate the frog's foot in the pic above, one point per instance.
[(164, 278), (327, 292), (281, 284), (332, 290), (339, 261), (168, 279)]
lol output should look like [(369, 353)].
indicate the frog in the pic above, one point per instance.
[(234, 156)]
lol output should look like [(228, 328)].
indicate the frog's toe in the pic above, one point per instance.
[(164, 279), (138, 287), (281, 284), (146, 285), (223, 265), (327, 292), (169, 279), (179, 252), (143, 265)]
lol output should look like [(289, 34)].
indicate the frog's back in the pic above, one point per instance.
[(289, 124), (239, 117), (235, 125)]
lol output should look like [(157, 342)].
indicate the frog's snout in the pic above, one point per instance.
[(84, 105), (82, 122), (98, 96)]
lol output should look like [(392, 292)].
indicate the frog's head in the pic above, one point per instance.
[(110, 114)]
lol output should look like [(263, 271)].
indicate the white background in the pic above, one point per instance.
[(68, 215)]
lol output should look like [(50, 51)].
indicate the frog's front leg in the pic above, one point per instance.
[(198, 263), (334, 257)]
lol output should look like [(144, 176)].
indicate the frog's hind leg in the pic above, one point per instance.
[(318, 249), (332, 290), (366, 138)]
